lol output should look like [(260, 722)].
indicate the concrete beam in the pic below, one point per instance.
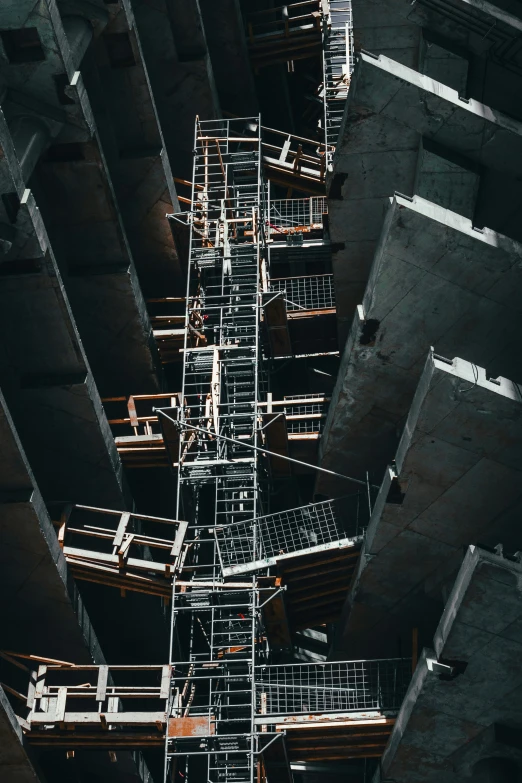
[(478, 639), (181, 74), (43, 368), (390, 108), (76, 196), (435, 281), (456, 479), (118, 85), (34, 578), (225, 33), (483, 27)]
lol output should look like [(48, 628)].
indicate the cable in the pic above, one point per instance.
[(179, 425), (475, 376)]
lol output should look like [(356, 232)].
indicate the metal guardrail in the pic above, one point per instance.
[(314, 292), (332, 687), (290, 214), (255, 544), (285, 33)]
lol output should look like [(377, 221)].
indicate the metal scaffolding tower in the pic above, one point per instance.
[(220, 483), (338, 62)]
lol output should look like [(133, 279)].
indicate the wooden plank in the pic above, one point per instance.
[(59, 709), (179, 540), (101, 687), (274, 612), (329, 556), (121, 529), (93, 718), (275, 319), (276, 435), (166, 674), (133, 416), (123, 551), (86, 555), (31, 691), (40, 682)]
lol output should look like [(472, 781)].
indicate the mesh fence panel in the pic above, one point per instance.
[(315, 292), (297, 212), (346, 686), (243, 545)]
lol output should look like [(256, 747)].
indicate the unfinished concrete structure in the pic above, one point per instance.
[(259, 391)]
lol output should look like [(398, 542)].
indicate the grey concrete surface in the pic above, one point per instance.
[(390, 108), (16, 764), (73, 186), (38, 599), (435, 281), (181, 74), (456, 480), (479, 634), (133, 143), (225, 33), (43, 368)]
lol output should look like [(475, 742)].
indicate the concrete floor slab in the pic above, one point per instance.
[(33, 572), (456, 480), (179, 66), (481, 27), (390, 109), (443, 714), (76, 196), (435, 281), (43, 368), (225, 32)]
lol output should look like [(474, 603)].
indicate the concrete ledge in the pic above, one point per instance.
[(76, 196), (390, 107), (457, 479), (43, 369), (133, 143), (35, 584), (479, 637), (480, 26), (225, 32), (179, 66), (435, 281)]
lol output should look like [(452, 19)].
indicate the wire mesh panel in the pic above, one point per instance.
[(315, 292), (337, 687), (293, 213), (248, 546)]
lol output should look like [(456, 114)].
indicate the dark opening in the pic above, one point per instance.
[(11, 204), (60, 153), (23, 45), (119, 50)]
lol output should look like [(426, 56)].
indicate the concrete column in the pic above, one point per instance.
[(79, 35), (495, 770), (30, 138)]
